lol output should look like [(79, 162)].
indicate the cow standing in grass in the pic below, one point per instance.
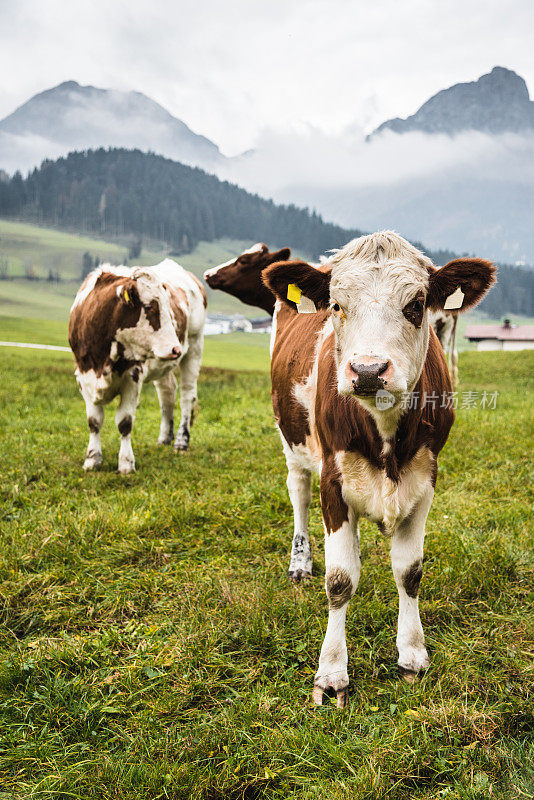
[(242, 278), (360, 393), (128, 326)]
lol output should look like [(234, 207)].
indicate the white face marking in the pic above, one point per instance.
[(142, 341), (373, 279), (257, 248)]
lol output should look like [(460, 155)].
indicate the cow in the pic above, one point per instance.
[(241, 276), (444, 324), (345, 385), (129, 326)]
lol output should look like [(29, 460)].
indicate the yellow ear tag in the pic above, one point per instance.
[(293, 293), (126, 296)]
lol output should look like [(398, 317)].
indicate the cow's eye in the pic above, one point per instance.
[(413, 311), (336, 308)]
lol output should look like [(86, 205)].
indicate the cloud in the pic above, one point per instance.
[(230, 72), (312, 158)]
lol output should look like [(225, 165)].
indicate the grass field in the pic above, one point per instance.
[(45, 306), (152, 647), (25, 246)]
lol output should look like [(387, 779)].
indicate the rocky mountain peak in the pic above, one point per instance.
[(498, 102)]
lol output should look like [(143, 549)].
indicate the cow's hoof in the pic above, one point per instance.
[(342, 696), (298, 575), (408, 675), (181, 447), (413, 662), (165, 440), (92, 462), (126, 467)]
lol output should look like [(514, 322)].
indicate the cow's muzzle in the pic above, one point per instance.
[(172, 355), (368, 374)]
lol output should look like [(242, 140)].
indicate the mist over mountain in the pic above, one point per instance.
[(458, 174), (73, 117)]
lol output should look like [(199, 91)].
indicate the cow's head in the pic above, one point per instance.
[(379, 290), (241, 276), (143, 320)]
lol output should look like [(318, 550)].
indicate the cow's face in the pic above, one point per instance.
[(378, 310), (144, 320), (379, 291), (240, 277)]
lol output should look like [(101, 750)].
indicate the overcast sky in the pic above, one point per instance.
[(232, 69)]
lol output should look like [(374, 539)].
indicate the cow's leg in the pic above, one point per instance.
[(342, 561), (299, 488), (95, 420), (166, 389), (407, 564), (124, 418), (189, 370)]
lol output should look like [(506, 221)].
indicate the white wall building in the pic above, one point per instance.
[(501, 337)]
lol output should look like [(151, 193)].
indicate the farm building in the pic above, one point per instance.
[(501, 337)]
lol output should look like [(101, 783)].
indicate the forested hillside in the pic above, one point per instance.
[(116, 191)]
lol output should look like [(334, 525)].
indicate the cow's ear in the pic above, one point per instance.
[(460, 284), (128, 294), (282, 278), (282, 255)]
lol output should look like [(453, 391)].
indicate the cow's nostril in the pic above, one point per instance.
[(176, 351), (369, 375), (382, 367)]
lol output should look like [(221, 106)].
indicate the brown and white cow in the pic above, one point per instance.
[(127, 327), (340, 379), (241, 276)]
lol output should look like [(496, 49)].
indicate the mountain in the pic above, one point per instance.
[(116, 192), (458, 174), (73, 117), (496, 103)]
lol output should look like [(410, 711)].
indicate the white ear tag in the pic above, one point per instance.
[(306, 306), (454, 300)]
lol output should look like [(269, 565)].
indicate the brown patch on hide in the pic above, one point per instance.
[(180, 309), (94, 323), (153, 315), (93, 424), (338, 587), (125, 425), (412, 578), (335, 510), (291, 363)]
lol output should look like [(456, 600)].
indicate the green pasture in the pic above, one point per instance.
[(152, 647), (24, 246)]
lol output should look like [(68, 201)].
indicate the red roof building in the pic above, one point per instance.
[(501, 337)]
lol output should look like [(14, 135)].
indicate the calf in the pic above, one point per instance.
[(344, 384), (129, 326)]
